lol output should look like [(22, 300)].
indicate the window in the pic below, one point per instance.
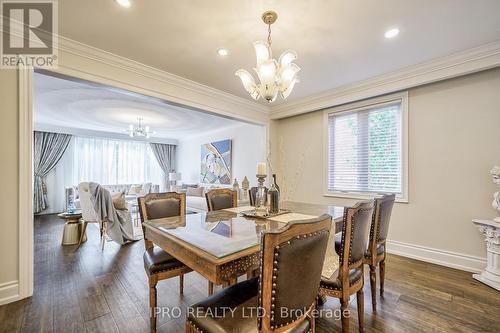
[(113, 161), (366, 150)]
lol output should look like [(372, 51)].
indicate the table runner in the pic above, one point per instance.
[(331, 262)]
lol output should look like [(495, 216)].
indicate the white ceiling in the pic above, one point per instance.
[(338, 41), (64, 104)]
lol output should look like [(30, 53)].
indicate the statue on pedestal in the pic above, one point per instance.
[(495, 173)]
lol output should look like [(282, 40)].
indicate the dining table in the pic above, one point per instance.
[(225, 244)]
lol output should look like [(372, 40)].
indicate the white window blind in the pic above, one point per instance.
[(365, 150)]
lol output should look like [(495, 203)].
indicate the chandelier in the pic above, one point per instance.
[(275, 76), (140, 130)]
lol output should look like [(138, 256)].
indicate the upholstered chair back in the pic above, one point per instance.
[(221, 198), (292, 262), (355, 233), (381, 218), (88, 211), (161, 205), (252, 194)]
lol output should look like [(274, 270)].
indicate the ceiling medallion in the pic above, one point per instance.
[(275, 76), (140, 130)]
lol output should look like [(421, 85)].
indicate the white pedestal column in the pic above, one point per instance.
[(491, 231)]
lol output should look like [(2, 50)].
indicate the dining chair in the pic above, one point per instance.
[(89, 214), (283, 297), (217, 199), (252, 194), (160, 265), (221, 198), (351, 248), (376, 253)]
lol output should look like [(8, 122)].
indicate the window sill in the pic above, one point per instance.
[(359, 196)]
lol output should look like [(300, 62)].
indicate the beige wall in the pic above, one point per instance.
[(454, 140), (8, 176)]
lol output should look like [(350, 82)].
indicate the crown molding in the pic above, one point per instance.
[(461, 63), (196, 95), (174, 89), (188, 86)]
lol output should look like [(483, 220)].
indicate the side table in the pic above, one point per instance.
[(74, 230)]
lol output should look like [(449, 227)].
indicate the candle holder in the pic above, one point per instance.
[(261, 197)]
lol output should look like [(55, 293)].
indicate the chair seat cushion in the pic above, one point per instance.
[(156, 260), (380, 250), (334, 283), (213, 315)]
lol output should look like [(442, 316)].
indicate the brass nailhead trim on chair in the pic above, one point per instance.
[(275, 274)]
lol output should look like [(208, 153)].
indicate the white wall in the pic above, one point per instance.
[(248, 148), (454, 140)]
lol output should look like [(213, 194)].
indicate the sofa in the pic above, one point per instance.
[(195, 195), (145, 188)]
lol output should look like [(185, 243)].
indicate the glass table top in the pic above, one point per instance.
[(222, 233), (219, 233)]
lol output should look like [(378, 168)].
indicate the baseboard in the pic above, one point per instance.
[(9, 292), (435, 256)]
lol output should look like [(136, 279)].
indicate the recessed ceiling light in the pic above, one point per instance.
[(391, 33), (124, 3), (222, 52)]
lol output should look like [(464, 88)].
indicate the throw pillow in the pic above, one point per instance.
[(195, 192), (135, 189), (145, 189), (119, 201)]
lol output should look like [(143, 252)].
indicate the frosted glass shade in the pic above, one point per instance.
[(276, 77), (262, 51)]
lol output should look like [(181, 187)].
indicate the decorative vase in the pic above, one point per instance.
[(245, 185), (275, 183), (261, 197), (274, 198)]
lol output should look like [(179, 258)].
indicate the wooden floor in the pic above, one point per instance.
[(93, 291)]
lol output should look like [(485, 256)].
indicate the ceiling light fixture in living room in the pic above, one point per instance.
[(275, 76), (140, 130)]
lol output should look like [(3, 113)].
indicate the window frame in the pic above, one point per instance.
[(401, 97)]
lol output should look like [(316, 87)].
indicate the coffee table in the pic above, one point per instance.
[(74, 231)]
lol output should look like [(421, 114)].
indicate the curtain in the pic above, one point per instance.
[(48, 150), (165, 155), (114, 161)]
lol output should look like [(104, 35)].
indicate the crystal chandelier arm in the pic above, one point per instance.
[(288, 78), (287, 57), (248, 82), (262, 51)]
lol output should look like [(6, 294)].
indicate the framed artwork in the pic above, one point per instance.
[(216, 162)]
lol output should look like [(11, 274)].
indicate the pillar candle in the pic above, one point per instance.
[(261, 168)]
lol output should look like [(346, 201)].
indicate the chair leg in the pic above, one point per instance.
[(103, 234), (181, 284), (344, 305), (210, 288), (373, 286), (382, 277), (360, 300), (312, 321), (152, 305)]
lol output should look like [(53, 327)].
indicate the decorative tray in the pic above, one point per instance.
[(251, 213)]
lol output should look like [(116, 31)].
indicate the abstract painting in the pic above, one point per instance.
[(216, 162)]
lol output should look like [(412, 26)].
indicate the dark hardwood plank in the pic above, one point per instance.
[(102, 324), (11, 316)]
